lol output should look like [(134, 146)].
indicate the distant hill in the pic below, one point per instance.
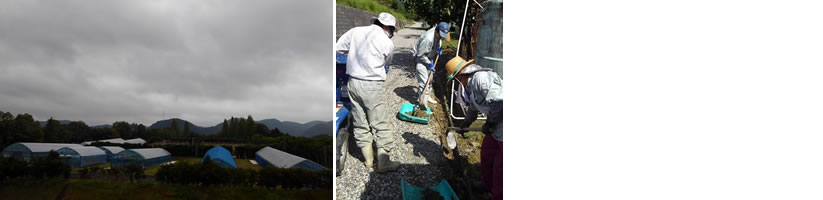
[(102, 126), (308, 129), (43, 123), (181, 123), (292, 128), (321, 128)]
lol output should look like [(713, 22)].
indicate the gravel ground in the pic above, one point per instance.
[(418, 146)]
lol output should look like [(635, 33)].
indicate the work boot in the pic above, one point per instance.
[(368, 156), (384, 164)]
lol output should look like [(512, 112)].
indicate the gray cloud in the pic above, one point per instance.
[(105, 61)]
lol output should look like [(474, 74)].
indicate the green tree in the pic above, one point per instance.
[(139, 130), (123, 128), (113, 133), (50, 131), (50, 166), (276, 133), (6, 121), (186, 130), (78, 131), (174, 128), (25, 129), (225, 129), (261, 129)]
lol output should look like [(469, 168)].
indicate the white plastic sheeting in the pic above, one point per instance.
[(118, 141), (276, 158), (112, 149), (115, 141), (46, 147), (279, 158), (135, 141), (151, 152), (86, 151)]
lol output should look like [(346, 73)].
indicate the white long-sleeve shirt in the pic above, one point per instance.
[(369, 51)]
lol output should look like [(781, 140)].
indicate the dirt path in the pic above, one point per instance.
[(63, 191), (418, 146)]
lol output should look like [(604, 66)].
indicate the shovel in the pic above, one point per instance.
[(421, 104)]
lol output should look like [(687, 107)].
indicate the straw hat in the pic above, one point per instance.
[(455, 65)]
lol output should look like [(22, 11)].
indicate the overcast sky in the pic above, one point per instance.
[(201, 60)]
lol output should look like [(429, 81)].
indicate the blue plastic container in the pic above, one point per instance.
[(410, 108), (411, 192)]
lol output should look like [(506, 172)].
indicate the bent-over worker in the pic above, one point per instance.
[(483, 92), (369, 51), (425, 50)]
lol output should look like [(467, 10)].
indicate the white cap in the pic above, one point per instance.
[(386, 19)]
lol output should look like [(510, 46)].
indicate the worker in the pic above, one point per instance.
[(369, 51), (483, 92), (425, 50)]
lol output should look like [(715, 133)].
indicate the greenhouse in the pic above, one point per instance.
[(30, 151), (139, 141), (220, 156), (110, 151), (113, 141), (78, 157), (142, 157), (268, 156)]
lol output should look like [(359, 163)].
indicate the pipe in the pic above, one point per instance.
[(465, 11)]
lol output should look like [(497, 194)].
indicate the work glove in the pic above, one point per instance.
[(431, 66), (439, 51), (489, 128)]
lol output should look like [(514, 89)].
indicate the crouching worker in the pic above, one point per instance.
[(483, 92)]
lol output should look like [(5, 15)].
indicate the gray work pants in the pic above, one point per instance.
[(371, 119), (422, 77)]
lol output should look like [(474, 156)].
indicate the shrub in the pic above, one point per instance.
[(49, 167), (135, 172)]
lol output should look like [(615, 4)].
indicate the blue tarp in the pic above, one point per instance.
[(220, 156)]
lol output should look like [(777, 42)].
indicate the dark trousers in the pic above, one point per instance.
[(491, 165)]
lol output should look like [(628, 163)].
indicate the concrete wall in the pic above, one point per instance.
[(348, 17)]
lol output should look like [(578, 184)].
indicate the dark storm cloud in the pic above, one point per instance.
[(101, 61)]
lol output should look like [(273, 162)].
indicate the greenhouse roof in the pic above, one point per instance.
[(45, 147), (135, 141), (112, 149), (150, 153), (220, 153), (86, 151), (279, 158), (115, 140)]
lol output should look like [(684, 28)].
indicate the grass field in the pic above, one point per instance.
[(31, 189), (245, 164), (374, 7), (101, 166), (103, 189), (241, 163)]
